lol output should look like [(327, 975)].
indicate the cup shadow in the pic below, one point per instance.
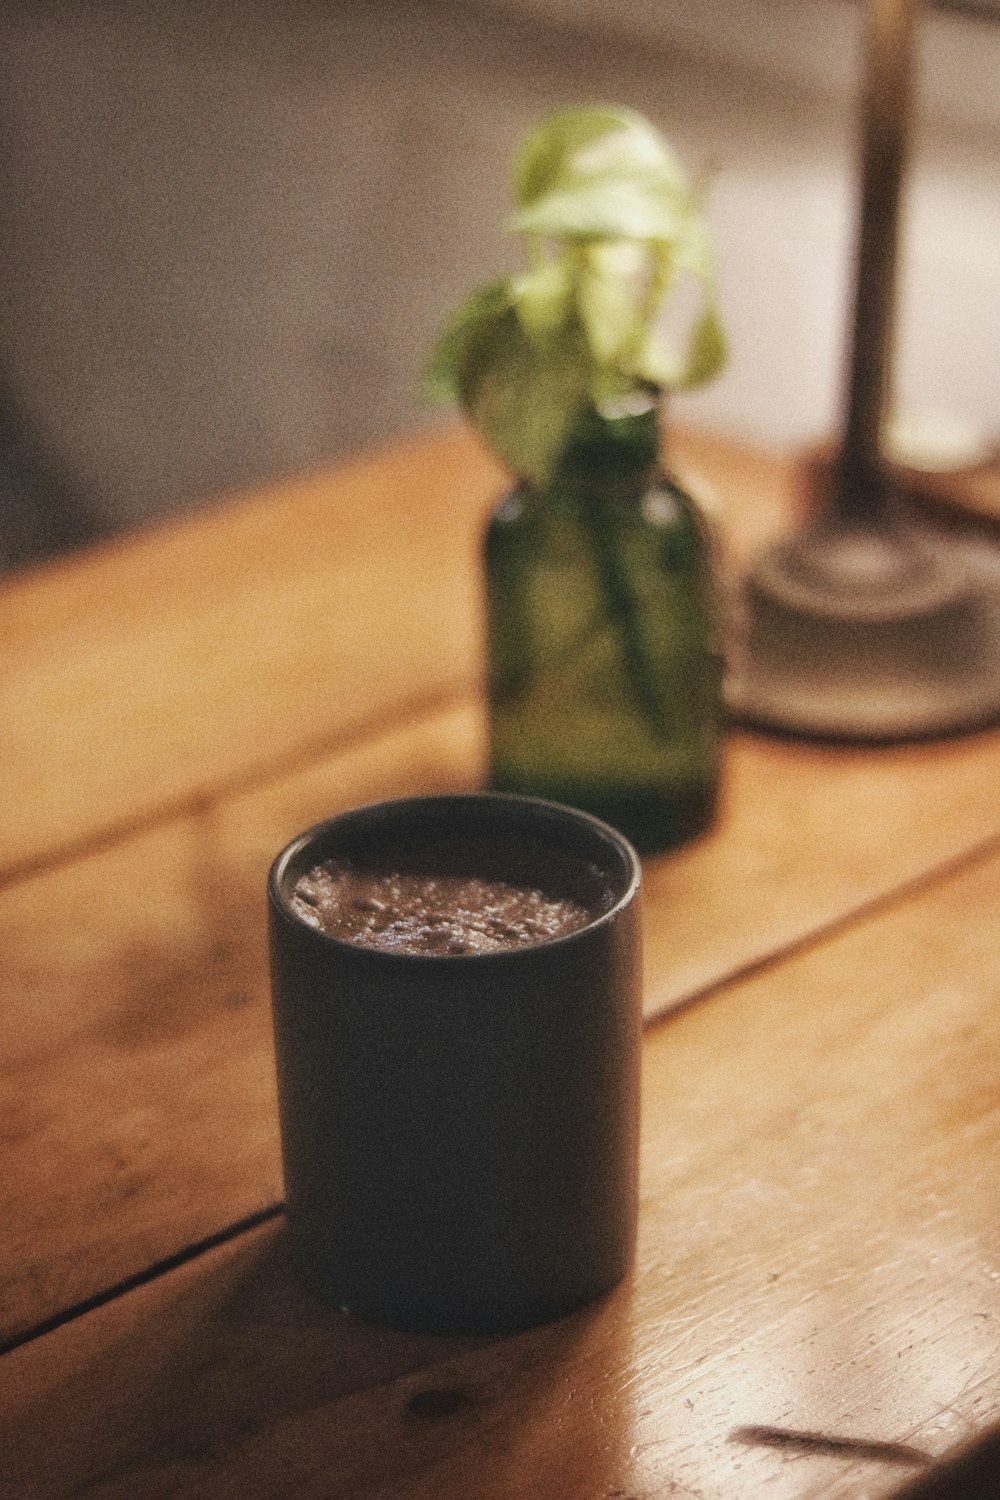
[(226, 1372)]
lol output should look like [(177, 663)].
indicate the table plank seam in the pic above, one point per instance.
[(980, 853), (303, 755), (141, 1278), (875, 906)]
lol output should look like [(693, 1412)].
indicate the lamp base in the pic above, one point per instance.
[(869, 637)]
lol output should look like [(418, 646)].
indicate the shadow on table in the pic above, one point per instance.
[(972, 1474), (225, 1377)]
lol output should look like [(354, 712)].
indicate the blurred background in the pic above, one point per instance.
[(230, 229)]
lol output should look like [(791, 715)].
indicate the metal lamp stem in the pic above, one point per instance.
[(861, 491)]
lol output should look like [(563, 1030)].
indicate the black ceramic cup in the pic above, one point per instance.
[(460, 1131)]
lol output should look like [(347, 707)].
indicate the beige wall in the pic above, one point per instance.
[(231, 227)]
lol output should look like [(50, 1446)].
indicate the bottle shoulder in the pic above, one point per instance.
[(659, 504)]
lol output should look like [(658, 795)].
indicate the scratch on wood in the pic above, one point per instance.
[(821, 1442)]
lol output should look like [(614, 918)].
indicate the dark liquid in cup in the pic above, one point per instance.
[(454, 899)]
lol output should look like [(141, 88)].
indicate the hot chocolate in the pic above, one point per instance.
[(459, 900)]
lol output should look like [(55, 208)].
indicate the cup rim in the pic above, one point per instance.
[(530, 807)]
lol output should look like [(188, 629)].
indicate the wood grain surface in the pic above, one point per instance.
[(252, 636), (137, 988), (138, 677), (814, 1313)]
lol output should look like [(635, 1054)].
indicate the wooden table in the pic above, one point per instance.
[(816, 1305)]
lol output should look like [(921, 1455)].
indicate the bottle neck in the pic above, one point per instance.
[(610, 455)]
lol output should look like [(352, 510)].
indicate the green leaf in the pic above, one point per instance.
[(614, 393), (611, 290), (706, 351), (582, 143), (665, 368), (522, 400), (544, 299), (472, 324), (692, 250), (655, 363), (636, 205)]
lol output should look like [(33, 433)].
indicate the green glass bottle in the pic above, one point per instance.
[(603, 662)]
